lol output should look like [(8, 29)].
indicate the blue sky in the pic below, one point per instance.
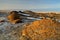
[(46, 5)]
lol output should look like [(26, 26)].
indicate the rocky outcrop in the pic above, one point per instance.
[(28, 11), (14, 17)]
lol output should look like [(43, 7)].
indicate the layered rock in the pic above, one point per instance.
[(14, 17)]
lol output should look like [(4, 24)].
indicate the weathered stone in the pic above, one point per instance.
[(14, 17)]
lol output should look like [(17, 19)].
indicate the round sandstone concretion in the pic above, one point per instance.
[(45, 29)]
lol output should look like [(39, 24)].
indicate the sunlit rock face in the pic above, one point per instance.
[(14, 17), (45, 29)]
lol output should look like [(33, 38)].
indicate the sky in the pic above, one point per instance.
[(43, 5)]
